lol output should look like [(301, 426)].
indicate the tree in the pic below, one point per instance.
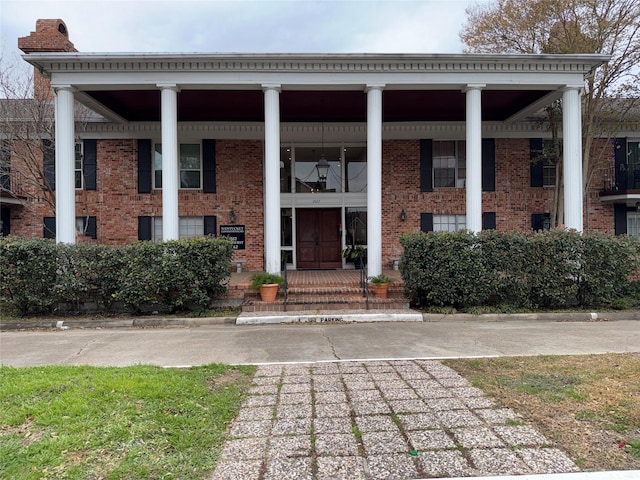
[(27, 126), (27, 134), (609, 27)]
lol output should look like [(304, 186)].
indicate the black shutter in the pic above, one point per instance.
[(144, 166), (426, 222), (489, 221), (535, 151), (620, 218), (91, 229), (49, 230), (49, 163), (621, 161), (209, 166), (89, 163), (488, 165), (5, 216), (144, 228), (210, 225), (426, 165)]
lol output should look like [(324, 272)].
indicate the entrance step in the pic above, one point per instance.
[(319, 302), (320, 291)]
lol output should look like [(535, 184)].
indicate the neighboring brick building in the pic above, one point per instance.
[(412, 142)]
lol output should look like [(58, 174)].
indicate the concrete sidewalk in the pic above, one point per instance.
[(179, 342)]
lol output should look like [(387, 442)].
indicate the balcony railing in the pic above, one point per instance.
[(621, 181), (12, 185)]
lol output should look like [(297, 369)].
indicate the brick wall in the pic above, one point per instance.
[(117, 205), (514, 200)]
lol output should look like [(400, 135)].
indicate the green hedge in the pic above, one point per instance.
[(532, 270), (37, 276)]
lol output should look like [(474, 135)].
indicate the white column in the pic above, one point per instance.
[(374, 179), (474, 157), (65, 166), (572, 153), (170, 170), (272, 178)]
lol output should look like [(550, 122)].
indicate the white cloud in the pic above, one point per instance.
[(325, 26)]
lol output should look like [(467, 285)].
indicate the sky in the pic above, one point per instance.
[(255, 26)]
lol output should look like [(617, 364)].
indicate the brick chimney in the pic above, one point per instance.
[(50, 36)]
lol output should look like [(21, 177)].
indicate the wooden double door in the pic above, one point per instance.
[(319, 238)]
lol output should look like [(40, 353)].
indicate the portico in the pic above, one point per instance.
[(290, 98)]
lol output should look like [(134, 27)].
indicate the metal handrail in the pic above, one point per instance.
[(364, 282), (285, 286)]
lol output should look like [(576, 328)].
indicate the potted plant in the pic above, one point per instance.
[(380, 285), (356, 254), (268, 285)]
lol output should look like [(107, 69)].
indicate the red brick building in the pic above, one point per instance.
[(299, 156)]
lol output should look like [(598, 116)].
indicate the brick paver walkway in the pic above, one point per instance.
[(377, 420)]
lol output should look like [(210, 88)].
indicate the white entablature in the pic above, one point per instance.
[(293, 71)]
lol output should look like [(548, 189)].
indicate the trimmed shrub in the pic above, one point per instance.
[(27, 272), (550, 269), (444, 268), (175, 275), (37, 275)]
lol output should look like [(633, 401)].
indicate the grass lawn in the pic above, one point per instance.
[(138, 422), (589, 404)]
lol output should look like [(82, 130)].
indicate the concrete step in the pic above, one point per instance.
[(319, 302)]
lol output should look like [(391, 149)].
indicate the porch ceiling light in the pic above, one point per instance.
[(323, 168)]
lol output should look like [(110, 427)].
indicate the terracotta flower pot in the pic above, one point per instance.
[(380, 290), (269, 291)]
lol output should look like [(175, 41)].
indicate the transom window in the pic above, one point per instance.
[(347, 170), (189, 165), (449, 223), (449, 163)]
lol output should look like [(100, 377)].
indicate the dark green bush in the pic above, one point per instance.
[(27, 272), (38, 275), (175, 275), (549, 269), (444, 268)]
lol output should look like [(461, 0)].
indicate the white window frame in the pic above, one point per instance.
[(78, 158), (188, 227), (548, 165), (180, 170), (450, 163), (633, 224), (449, 223)]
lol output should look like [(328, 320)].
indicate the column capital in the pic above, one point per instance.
[(168, 86), (272, 86), (568, 88), (66, 88), (474, 86), (374, 86)]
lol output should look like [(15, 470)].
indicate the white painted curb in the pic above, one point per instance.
[(328, 317)]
